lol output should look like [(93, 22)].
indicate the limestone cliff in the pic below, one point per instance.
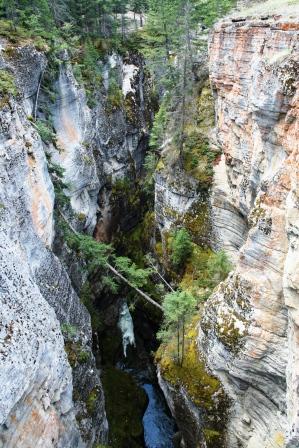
[(36, 293), (249, 330), (51, 393), (182, 182), (102, 143)]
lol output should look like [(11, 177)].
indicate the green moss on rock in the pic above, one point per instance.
[(7, 83), (88, 299), (203, 389), (131, 109), (75, 353), (213, 438), (91, 401), (193, 375), (125, 406)]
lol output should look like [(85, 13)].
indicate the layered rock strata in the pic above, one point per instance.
[(249, 331)]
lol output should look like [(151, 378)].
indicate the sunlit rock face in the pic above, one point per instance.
[(249, 331), (36, 294)]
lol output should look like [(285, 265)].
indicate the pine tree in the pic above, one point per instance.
[(181, 248), (178, 306)]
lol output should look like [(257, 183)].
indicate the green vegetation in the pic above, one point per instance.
[(138, 242), (201, 386), (90, 30), (159, 126), (45, 131), (125, 406), (75, 352), (57, 174), (115, 95), (181, 248), (69, 330), (91, 401), (178, 306), (218, 267), (272, 7), (204, 271), (125, 190), (87, 298), (7, 83), (100, 446), (192, 374)]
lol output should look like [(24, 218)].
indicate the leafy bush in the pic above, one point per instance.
[(198, 158), (115, 95), (204, 271), (83, 357)]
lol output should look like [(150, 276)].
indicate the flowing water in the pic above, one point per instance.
[(159, 428)]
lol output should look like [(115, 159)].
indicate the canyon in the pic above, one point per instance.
[(63, 351)]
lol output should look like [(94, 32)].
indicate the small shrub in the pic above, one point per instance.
[(7, 84), (91, 401), (218, 267), (45, 132), (87, 159), (115, 95), (81, 217), (83, 357), (69, 331)]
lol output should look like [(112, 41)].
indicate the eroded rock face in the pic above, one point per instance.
[(187, 416), (51, 393), (102, 141), (119, 141), (181, 181), (72, 124), (249, 331), (36, 294)]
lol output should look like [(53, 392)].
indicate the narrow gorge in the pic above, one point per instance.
[(149, 224)]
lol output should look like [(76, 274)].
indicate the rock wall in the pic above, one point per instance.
[(119, 143), (51, 393), (188, 417), (249, 330), (181, 180), (36, 293), (102, 143)]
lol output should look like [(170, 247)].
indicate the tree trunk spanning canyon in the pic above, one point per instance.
[(241, 197)]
